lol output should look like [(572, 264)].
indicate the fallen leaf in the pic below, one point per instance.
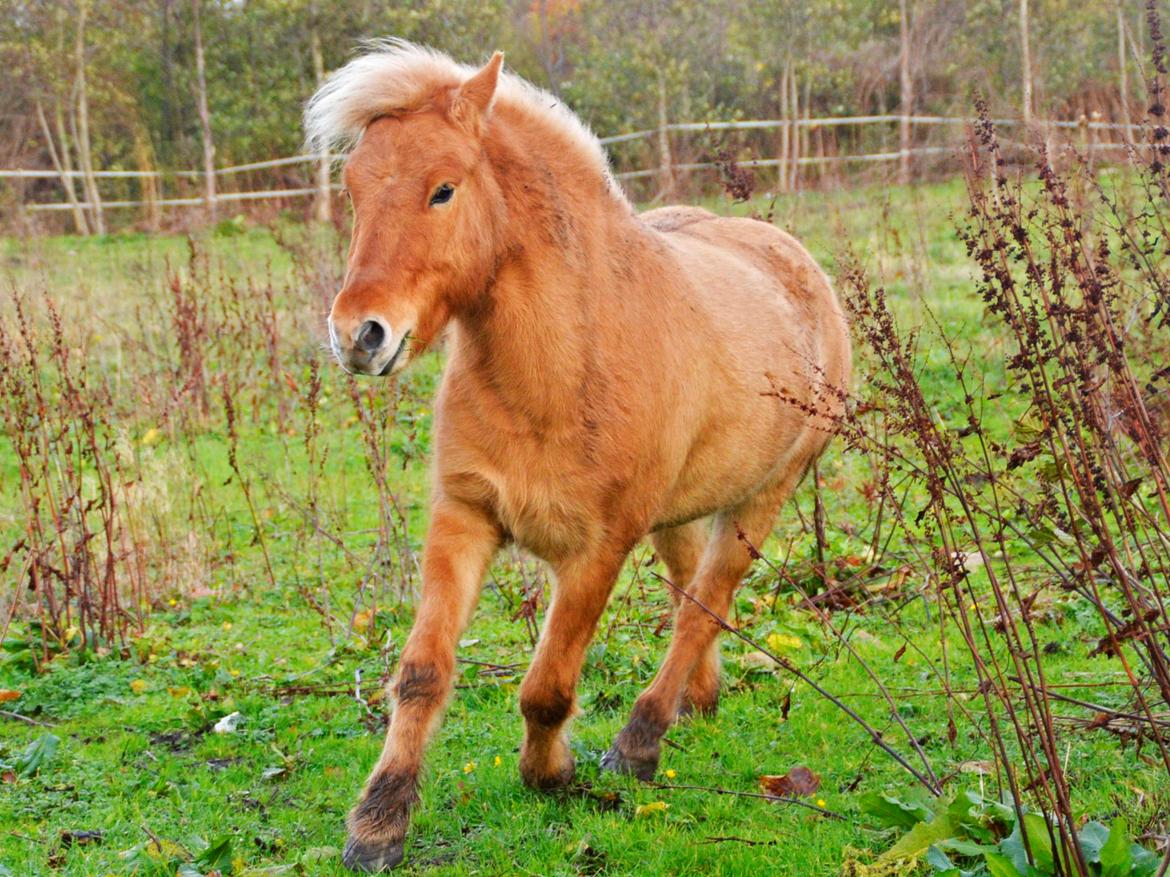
[(7, 694), (361, 621), (138, 685), (798, 782), (779, 642), (652, 807), (983, 768)]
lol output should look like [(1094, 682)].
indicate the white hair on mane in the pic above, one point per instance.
[(395, 77)]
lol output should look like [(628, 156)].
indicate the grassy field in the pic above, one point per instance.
[(279, 583)]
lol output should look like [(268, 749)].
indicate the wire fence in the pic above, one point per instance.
[(1093, 139)]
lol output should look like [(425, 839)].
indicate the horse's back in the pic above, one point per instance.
[(772, 336), (758, 282)]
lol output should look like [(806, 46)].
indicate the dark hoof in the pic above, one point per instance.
[(616, 762), (550, 783), (370, 857)]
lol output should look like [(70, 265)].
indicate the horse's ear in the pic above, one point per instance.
[(474, 98)]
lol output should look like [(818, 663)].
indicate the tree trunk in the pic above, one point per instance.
[(665, 162), (546, 50), (1026, 63), (785, 130), (322, 204), (907, 84), (794, 104), (149, 185), (63, 165), (204, 118), (806, 129), (84, 153), (1123, 72)]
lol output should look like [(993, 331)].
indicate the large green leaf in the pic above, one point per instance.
[(919, 839), (1092, 837), (1116, 856), (37, 754), (891, 812), (1000, 866), (1039, 843)]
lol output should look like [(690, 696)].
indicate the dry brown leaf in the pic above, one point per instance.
[(798, 782)]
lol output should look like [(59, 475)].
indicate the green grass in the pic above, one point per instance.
[(137, 759)]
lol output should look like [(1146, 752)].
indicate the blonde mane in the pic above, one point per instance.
[(395, 77)]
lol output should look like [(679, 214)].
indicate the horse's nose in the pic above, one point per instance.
[(370, 336)]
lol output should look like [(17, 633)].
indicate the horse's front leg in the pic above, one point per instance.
[(548, 693), (459, 546)]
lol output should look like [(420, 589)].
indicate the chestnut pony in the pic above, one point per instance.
[(609, 375)]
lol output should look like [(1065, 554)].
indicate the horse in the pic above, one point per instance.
[(609, 375)]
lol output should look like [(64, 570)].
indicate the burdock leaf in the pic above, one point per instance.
[(37, 754), (889, 811), (1000, 866), (1116, 856)]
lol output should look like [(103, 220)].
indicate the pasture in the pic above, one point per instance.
[(268, 514)]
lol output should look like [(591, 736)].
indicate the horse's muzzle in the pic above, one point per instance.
[(371, 348)]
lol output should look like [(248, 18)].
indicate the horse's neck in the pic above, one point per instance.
[(534, 340)]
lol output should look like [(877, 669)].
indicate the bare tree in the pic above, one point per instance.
[(794, 166), (548, 50), (322, 205), (204, 117), (786, 129), (1026, 62), (906, 80), (63, 164), (665, 162), (84, 153), (1123, 69)]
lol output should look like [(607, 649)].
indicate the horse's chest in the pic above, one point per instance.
[(540, 506), (543, 519)]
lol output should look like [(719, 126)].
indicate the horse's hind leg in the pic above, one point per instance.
[(681, 549), (636, 748), (548, 694)]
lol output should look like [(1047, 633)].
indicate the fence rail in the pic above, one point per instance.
[(676, 127)]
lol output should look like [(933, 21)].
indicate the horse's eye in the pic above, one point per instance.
[(442, 194)]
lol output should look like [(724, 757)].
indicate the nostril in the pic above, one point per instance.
[(370, 336)]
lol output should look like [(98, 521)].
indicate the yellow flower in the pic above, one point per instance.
[(671, 774), (469, 767), (497, 761), (820, 802), (138, 685), (151, 436)]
